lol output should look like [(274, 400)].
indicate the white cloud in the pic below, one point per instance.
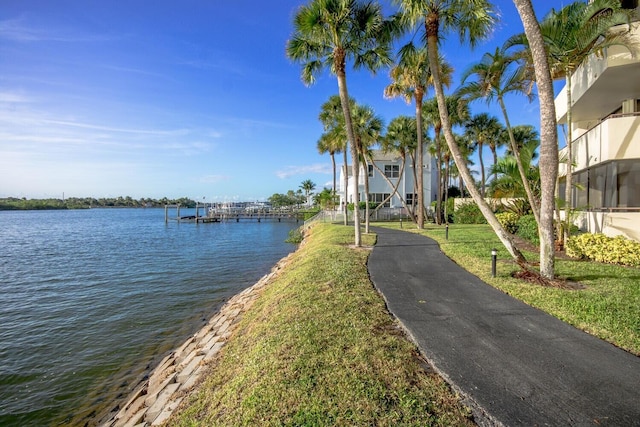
[(16, 30), (290, 171), (213, 179)]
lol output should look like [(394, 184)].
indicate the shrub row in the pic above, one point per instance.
[(468, 213), (601, 248)]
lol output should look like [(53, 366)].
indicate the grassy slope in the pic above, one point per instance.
[(609, 306), (319, 348)]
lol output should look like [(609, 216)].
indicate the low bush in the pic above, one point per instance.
[(509, 221), (468, 213), (528, 229), (295, 236), (601, 248)]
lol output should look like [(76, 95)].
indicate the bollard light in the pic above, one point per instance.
[(446, 231), (400, 222), (494, 257)]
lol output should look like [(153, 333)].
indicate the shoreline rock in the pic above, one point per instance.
[(153, 401)]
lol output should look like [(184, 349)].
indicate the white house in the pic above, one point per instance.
[(389, 165), (606, 141)]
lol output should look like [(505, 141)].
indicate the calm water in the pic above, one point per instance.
[(90, 300)]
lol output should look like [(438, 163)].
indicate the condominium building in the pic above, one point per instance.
[(605, 117)]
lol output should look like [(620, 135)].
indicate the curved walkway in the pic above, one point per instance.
[(513, 364)]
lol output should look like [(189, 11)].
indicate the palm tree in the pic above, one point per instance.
[(458, 114), (496, 76), (571, 35), (509, 181), (335, 137), (401, 138), (328, 145), (548, 164), (307, 186), (327, 34), (411, 78), (367, 128), (482, 128), (472, 20)]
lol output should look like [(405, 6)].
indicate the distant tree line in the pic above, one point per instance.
[(14, 203)]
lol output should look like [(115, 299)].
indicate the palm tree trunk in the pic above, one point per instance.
[(432, 48), (333, 192), (533, 201), (438, 176), (446, 192), (415, 186), (568, 206), (366, 195), (355, 167), (420, 160), (548, 162), (346, 184), (482, 176)]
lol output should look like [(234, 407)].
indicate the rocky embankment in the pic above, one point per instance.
[(179, 372)]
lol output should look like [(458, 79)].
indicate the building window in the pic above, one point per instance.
[(628, 182), (411, 198), (370, 168), (391, 171), (378, 198), (607, 185)]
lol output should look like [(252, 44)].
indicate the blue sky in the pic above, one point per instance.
[(183, 99)]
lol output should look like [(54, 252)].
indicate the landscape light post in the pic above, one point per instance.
[(494, 257)]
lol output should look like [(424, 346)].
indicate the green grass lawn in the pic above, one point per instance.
[(608, 306), (319, 348)]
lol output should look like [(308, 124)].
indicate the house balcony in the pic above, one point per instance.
[(600, 86), (616, 137)]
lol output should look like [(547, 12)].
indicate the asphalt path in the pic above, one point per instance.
[(513, 364)]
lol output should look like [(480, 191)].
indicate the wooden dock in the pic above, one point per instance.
[(262, 216), (210, 216)]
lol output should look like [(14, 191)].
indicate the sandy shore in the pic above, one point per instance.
[(180, 371)]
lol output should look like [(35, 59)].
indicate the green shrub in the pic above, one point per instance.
[(601, 248), (468, 213), (362, 206), (509, 221), (521, 207), (295, 236), (528, 229)]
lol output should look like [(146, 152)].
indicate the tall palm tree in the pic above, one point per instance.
[(332, 120), (509, 181), (458, 115), (401, 138), (367, 128), (571, 35), (548, 164), (411, 78), (482, 129), (326, 144), (472, 20), (327, 34), (307, 186), (497, 75)]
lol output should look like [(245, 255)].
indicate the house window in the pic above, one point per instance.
[(607, 185), (391, 171), (378, 198), (628, 183), (370, 168), (411, 198)]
